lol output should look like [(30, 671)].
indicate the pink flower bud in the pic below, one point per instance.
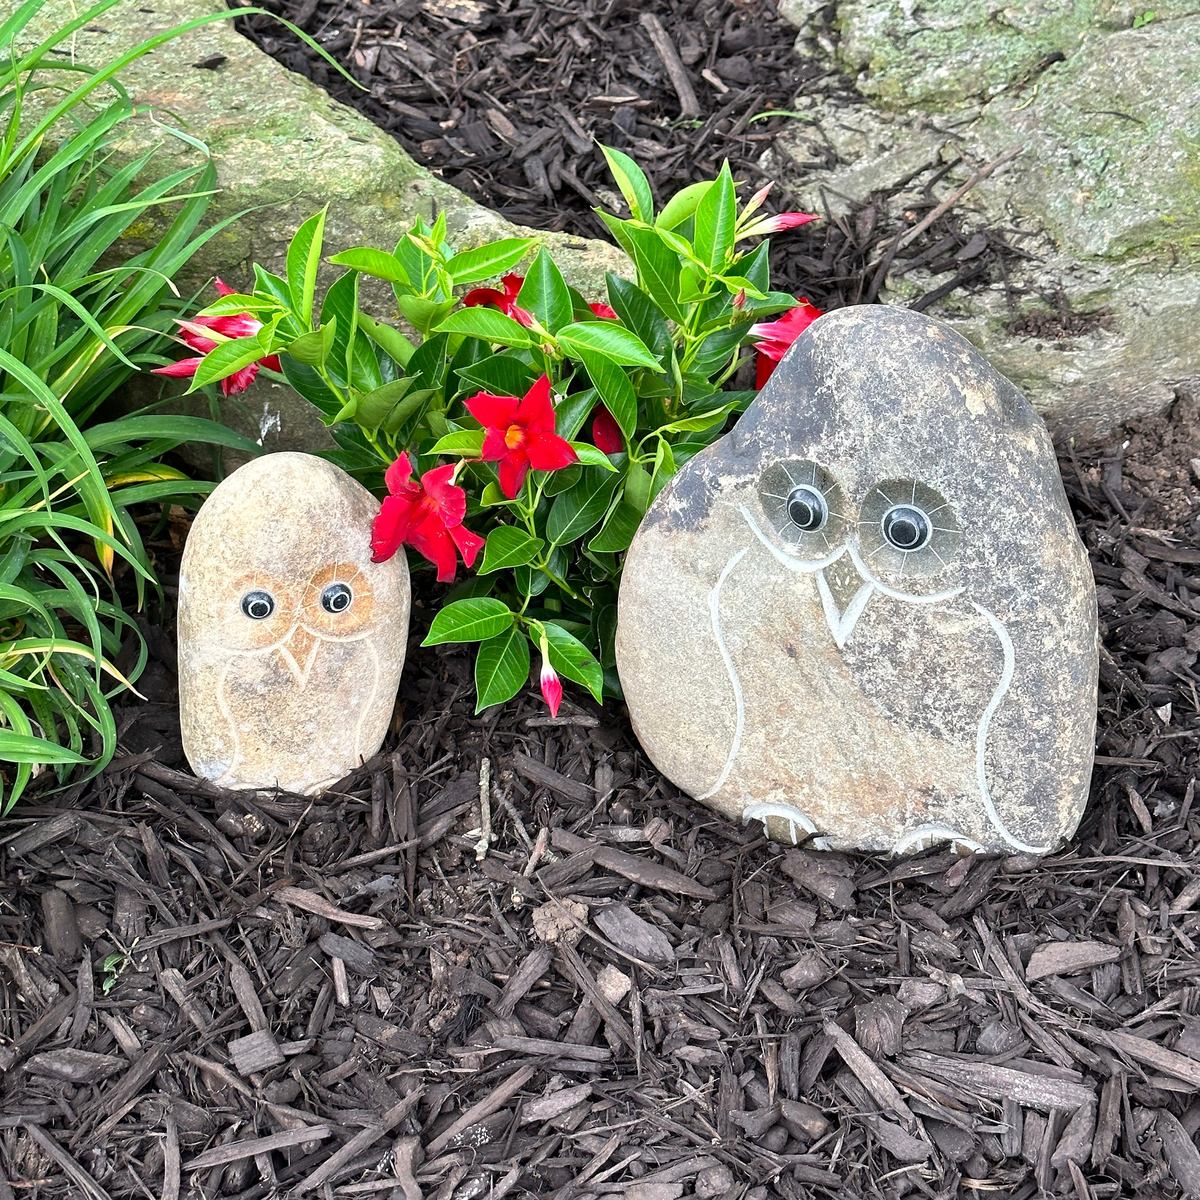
[(551, 684)]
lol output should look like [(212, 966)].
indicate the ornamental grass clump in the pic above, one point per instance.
[(526, 428)]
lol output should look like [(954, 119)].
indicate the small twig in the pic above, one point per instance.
[(688, 104), (500, 791), (539, 849), (950, 201), (485, 810)]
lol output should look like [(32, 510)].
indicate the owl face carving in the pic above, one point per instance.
[(291, 641), (864, 616)]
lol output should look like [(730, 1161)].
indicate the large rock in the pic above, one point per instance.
[(865, 613), (283, 149), (291, 640), (1104, 196)]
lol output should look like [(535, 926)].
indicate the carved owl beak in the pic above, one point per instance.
[(844, 589), (298, 652)]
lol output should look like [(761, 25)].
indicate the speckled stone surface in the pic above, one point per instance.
[(291, 641), (865, 613)]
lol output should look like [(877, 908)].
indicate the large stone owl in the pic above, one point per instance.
[(864, 616), (291, 640)]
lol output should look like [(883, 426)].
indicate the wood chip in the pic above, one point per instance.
[(1069, 958), (314, 903), (651, 874), (249, 1147)]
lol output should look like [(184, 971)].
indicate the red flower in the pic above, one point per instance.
[(427, 514), (606, 433), (603, 311), (551, 684), (520, 435), (196, 334), (775, 338), (505, 301)]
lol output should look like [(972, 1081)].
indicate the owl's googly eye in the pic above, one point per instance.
[(804, 504), (258, 605), (907, 531), (807, 509), (906, 527), (336, 598)]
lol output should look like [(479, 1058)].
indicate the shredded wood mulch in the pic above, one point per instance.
[(505, 100), (507, 957)]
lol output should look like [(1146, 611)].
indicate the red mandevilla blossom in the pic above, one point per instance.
[(520, 435), (606, 433), (427, 514), (603, 311), (505, 300), (194, 333), (775, 338)]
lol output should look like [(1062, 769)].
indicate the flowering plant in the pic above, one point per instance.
[(525, 421)]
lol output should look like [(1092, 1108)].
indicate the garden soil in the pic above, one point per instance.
[(507, 957)]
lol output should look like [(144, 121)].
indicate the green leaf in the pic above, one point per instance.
[(375, 407), (474, 266), (468, 442), (639, 313), (682, 205), (606, 338), (303, 259), (23, 748), (422, 313), (501, 668), (634, 185), (487, 324), (572, 659), (637, 487), (374, 262), (313, 348), (227, 359), (618, 531), (579, 509), (545, 293), (658, 271), (508, 546), (499, 374), (592, 456), (614, 388), (469, 621), (572, 411), (391, 341), (716, 217)]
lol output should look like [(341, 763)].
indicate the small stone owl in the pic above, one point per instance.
[(291, 641), (864, 616)]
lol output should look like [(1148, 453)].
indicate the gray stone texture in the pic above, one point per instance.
[(295, 690), (1105, 195), (824, 682), (283, 149)]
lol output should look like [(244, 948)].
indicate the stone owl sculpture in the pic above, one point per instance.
[(291, 640), (864, 616)]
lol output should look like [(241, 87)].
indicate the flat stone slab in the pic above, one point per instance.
[(865, 614), (291, 640)]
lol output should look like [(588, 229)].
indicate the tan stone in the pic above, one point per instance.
[(291, 641), (815, 676)]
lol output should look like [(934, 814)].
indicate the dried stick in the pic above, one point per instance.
[(951, 200), (688, 105)]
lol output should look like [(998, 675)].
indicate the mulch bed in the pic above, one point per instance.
[(601, 989), (503, 99)]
